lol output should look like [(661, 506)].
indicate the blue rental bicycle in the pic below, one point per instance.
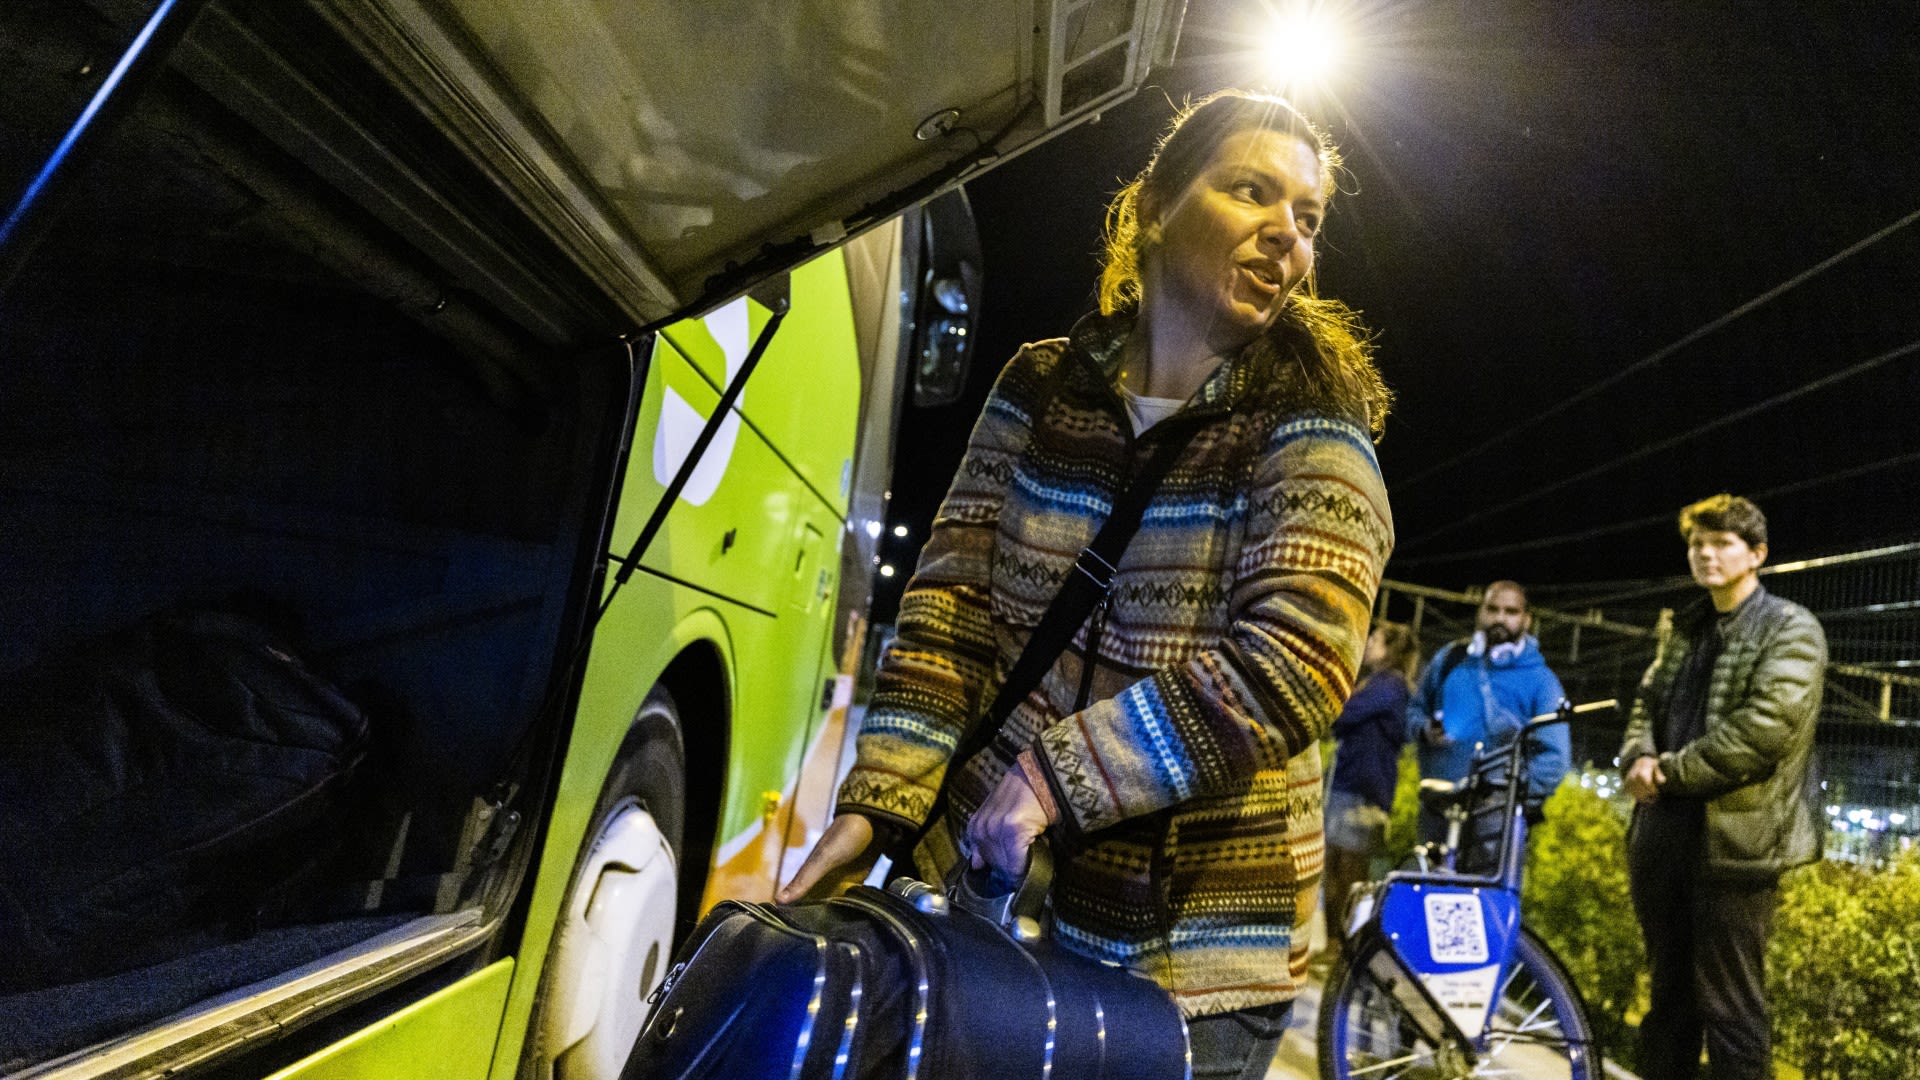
[(1438, 978)]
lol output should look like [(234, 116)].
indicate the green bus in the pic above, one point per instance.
[(540, 360)]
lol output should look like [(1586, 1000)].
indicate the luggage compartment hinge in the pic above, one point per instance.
[(501, 825)]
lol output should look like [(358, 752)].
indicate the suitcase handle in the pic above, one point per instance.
[(989, 896)]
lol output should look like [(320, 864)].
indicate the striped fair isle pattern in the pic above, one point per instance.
[(1192, 783)]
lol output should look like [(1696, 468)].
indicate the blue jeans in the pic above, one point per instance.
[(1237, 1045)]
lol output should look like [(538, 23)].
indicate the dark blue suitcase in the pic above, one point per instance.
[(909, 982)]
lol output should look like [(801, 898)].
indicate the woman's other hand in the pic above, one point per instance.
[(843, 855), (1008, 823)]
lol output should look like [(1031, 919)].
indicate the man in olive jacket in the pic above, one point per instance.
[(1716, 759)]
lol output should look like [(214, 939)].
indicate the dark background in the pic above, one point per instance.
[(1564, 223)]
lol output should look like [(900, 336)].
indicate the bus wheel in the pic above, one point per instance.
[(613, 941)]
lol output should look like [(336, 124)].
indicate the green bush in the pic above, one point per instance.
[(1406, 808), (1843, 966), (1843, 971), (1575, 897)]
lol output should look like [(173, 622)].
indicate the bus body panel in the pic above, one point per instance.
[(804, 397), (749, 528), (762, 604), (739, 516), (446, 1036)]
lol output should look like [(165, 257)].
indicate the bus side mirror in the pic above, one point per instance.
[(946, 311), (943, 344)]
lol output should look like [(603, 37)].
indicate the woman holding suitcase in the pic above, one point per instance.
[(1177, 771)]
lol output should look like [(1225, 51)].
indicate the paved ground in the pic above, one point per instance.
[(1296, 1060)]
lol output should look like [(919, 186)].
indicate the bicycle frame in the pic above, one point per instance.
[(1449, 937)]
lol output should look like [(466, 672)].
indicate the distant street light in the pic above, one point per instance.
[(1302, 47), (886, 569), (900, 530)]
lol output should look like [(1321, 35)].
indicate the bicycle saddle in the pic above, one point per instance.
[(1438, 795)]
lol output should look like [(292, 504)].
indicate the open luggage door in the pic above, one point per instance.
[(391, 318)]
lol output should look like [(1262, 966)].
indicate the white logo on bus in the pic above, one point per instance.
[(680, 423)]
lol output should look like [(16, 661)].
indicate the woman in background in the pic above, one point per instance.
[(1371, 730)]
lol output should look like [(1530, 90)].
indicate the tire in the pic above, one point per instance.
[(614, 938), (1538, 1030)]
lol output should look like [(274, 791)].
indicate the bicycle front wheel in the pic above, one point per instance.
[(1537, 1030)]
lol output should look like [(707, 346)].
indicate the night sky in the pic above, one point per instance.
[(1618, 257)]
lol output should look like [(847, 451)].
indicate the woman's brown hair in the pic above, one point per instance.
[(1326, 339), (1403, 650)]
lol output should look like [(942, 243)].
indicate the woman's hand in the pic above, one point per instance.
[(1008, 823), (844, 854)]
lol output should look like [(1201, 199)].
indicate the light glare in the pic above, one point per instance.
[(1302, 48)]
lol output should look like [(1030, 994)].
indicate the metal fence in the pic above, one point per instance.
[(1599, 638)]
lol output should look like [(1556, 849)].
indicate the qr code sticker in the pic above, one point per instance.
[(1456, 929)]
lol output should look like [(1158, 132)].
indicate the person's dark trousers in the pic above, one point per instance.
[(1706, 946), (1237, 1045), (1346, 868)]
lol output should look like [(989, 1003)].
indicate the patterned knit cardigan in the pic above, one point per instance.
[(1237, 619)]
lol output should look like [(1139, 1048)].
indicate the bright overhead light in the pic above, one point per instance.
[(1302, 46), (886, 570), (899, 530)]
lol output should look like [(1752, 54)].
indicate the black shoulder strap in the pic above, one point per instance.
[(1450, 656), (1455, 653), (1086, 586)]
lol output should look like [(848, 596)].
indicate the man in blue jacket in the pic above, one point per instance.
[(1480, 691)]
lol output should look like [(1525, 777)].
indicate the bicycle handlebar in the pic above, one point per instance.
[(1516, 747), (1511, 758), (1565, 713)]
